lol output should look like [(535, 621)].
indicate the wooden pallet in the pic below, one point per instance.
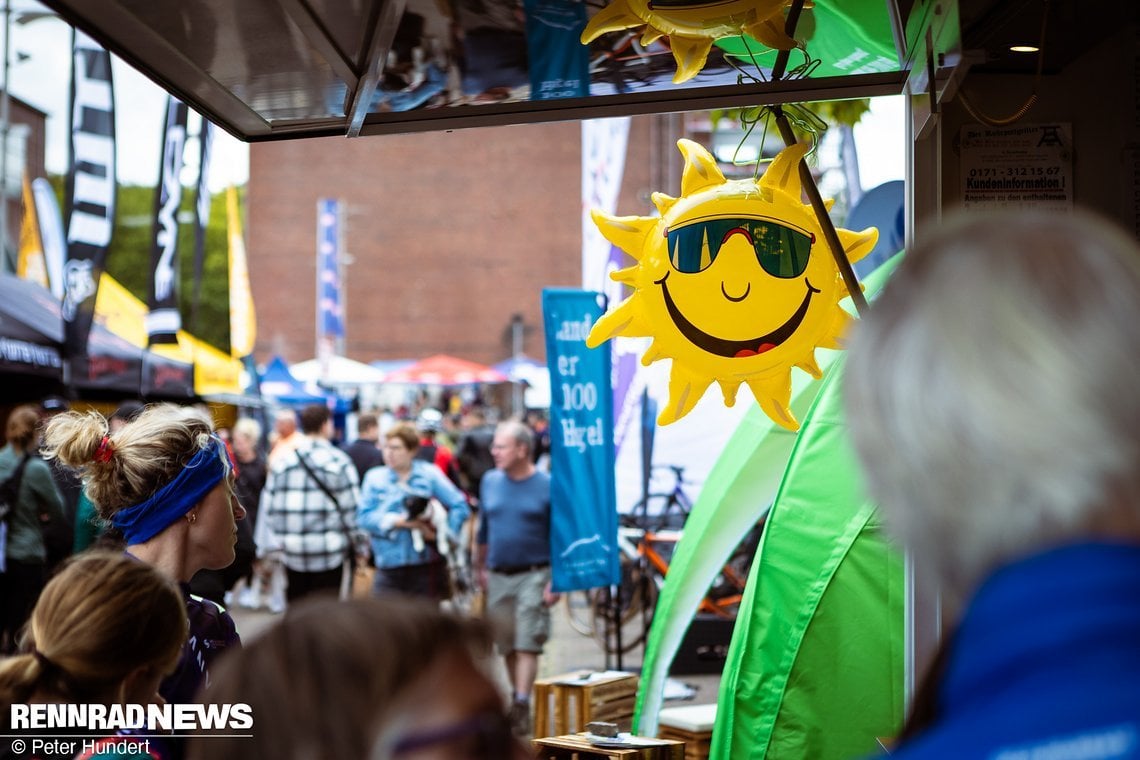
[(565, 704), (577, 747)]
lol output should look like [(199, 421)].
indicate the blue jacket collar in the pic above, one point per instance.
[(1044, 614)]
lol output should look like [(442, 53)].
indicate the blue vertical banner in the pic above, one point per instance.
[(330, 313), (583, 504), (558, 61)]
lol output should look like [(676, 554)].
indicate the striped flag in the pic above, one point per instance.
[(164, 321), (90, 190), (330, 313), (330, 316)]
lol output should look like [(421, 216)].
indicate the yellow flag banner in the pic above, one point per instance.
[(243, 320), (124, 314), (215, 372), (31, 264)]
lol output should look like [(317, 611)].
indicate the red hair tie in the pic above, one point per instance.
[(105, 451)]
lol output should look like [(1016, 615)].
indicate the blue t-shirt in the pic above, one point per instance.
[(515, 519)]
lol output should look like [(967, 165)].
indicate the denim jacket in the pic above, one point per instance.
[(382, 506)]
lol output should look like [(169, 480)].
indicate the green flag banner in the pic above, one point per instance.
[(815, 668), (852, 37), (738, 490)]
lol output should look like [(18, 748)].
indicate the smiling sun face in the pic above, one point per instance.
[(693, 25), (733, 282)]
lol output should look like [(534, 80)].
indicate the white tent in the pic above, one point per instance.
[(523, 369), (342, 371)]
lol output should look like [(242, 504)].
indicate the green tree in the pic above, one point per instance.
[(128, 259)]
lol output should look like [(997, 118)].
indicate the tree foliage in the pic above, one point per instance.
[(801, 115), (129, 258)]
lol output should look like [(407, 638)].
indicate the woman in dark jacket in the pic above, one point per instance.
[(25, 557)]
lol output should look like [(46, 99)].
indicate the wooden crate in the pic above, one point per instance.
[(565, 704), (577, 747), (692, 724)]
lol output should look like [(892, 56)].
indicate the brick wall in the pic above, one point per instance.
[(450, 234)]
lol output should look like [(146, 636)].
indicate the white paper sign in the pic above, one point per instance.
[(1017, 167)]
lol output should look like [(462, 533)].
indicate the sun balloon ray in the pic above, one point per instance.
[(732, 282), (693, 26)]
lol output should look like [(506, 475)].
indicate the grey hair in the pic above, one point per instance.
[(991, 390), (519, 432), (249, 427)]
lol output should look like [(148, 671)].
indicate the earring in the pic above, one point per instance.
[(191, 517)]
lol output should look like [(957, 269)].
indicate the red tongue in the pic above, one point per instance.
[(746, 352)]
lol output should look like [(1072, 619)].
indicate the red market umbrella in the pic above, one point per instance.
[(445, 370)]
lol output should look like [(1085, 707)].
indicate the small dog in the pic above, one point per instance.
[(424, 508)]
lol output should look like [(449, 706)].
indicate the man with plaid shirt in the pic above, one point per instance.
[(310, 503)]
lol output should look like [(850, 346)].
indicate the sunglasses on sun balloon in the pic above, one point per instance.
[(782, 251)]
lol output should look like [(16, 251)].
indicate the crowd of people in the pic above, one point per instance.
[(218, 516), (990, 400)]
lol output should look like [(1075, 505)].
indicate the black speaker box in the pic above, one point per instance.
[(704, 649)]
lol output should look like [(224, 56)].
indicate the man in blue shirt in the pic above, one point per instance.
[(512, 560)]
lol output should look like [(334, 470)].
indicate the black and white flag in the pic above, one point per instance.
[(90, 193), (164, 321)]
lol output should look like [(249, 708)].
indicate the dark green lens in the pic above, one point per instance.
[(781, 251), (693, 248)]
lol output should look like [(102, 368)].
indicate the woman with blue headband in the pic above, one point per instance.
[(165, 482)]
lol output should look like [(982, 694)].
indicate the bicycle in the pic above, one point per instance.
[(674, 505), (582, 606), (645, 559)]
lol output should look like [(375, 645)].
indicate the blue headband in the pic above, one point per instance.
[(147, 519)]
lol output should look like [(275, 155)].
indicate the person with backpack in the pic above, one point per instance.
[(473, 452), (430, 423), (32, 499)]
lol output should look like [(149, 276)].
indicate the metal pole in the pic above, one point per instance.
[(516, 353), (830, 235), (808, 182), (4, 128)]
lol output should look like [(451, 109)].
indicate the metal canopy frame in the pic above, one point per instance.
[(306, 43)]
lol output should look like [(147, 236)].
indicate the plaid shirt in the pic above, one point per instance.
[(304, 521)]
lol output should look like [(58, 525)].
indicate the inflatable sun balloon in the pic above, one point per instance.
[(733, 282), (693, 26)]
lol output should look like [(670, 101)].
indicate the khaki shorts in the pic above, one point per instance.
[(519, 618)]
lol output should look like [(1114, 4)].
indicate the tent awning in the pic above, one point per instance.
[(442, 369)]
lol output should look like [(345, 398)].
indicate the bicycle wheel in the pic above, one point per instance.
[(637, 598), (580, 610)]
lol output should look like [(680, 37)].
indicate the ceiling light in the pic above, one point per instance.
[(1024, 48)]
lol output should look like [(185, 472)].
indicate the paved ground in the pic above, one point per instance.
[(567, 652)]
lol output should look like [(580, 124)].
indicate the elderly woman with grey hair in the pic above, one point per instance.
[(992, 398)]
